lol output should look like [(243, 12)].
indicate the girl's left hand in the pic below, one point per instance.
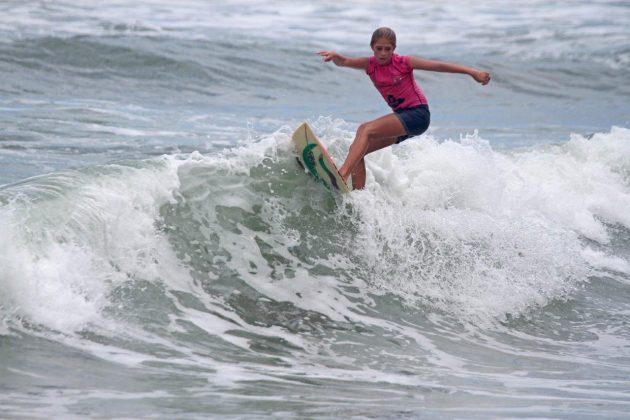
[(482, 77)]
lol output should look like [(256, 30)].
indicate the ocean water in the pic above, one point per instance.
[(161, 255)]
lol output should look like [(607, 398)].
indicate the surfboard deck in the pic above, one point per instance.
[(315, 159)]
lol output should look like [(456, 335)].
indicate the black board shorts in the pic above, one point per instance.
[(416, 120)]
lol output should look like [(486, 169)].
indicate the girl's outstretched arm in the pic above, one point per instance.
[(480, 76), (340, 60)]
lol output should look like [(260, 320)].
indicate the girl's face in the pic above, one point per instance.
[(383, 50)]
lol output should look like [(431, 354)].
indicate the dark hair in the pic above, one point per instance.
[(383, 32)]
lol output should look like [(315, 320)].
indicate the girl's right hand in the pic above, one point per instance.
[(342, 61), (330, 56)]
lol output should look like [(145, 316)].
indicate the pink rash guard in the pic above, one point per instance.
[(395, 82)]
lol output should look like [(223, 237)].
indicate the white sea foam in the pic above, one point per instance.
[(600, 260), (453, 224), (483, 233), (64, 251)]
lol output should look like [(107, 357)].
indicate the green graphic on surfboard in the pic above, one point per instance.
[(315, 159)]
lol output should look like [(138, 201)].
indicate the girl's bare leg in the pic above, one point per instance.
[(371, 136), (359, 175)]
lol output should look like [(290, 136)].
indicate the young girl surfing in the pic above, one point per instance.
[(392, 75)]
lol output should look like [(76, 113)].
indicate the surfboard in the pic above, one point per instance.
[(313, 157)]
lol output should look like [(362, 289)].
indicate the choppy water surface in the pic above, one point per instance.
[(162, 255)]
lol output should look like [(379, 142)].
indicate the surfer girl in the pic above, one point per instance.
[(392, 75)]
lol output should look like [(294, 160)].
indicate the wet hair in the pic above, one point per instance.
[(383, 32)]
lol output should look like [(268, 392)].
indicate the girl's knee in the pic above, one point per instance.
[(366, 129), (363, 127)]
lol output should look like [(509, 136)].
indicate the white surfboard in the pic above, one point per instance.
[(315, 159)]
